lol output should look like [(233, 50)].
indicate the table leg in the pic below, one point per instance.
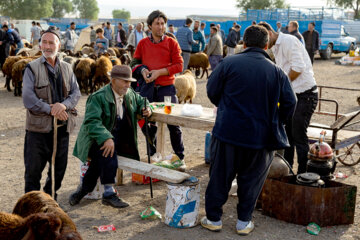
[(119, 177), (160, 145)]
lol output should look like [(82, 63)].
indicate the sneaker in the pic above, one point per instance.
[(245, 231), (114, 201), (76, 197), (206, 223)]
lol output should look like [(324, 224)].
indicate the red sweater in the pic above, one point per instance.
[(166, 54)]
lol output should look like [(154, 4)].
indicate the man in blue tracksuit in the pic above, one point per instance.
[(253, 102), (185, 39), (13, 37)]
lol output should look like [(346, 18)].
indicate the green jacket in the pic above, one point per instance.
[(100, 119)]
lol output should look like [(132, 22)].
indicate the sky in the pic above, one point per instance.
[(182, 8)]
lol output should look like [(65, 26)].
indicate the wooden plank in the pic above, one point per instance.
[(151, 170), (341, 121), (119, 177)]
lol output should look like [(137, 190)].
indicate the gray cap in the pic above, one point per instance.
[(123, 72)]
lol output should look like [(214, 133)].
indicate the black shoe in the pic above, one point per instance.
[(114, 201), (77, 196)]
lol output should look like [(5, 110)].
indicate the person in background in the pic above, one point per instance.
[(50, 91), (108, 33), (202, 29), (253, 23), (237, 33), (249, 126), (129, 31), (280, 28), (232, 40), (214, 48), (15, 28), (92, 35), (71, 37), (102, 43), (136, 36), (198, 37), (3, 55), (39, 25), (103, 25), (292, 57), (312, 41), (12, 38), (35, 34), (221, 33), (171, 29), (185, 39), (120, 39), (293, 29)]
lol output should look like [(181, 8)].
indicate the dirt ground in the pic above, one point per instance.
[(127, 221)]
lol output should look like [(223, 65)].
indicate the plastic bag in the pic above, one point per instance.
[(150, 213), (192, 110)]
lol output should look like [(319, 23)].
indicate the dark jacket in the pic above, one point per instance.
[(237, 33), (315, 39), (232, 39), (13, 36), (122, 37), (298, 36), (248, 98)]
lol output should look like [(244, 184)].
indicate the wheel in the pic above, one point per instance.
[(326, 55), (349, 155)]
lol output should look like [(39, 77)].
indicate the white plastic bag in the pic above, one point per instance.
[(192, 110)]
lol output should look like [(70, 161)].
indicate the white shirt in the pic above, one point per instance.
[(290, 54), (119, 104)]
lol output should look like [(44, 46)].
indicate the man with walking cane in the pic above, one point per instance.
[(50, 91), (109, 129)]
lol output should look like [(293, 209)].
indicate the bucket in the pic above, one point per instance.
[(182, 204)]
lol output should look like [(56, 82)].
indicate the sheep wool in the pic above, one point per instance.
[(185, 87)]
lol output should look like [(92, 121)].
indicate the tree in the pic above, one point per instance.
[(260, 4), (61, 7), (87, 8), (353, 4), (26, 9), (121, 13)]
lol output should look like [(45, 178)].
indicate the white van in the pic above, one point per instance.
[(25, 26)]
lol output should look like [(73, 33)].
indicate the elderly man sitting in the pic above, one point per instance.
[(108, 130)]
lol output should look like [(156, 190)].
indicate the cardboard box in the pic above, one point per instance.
[(141, 179)]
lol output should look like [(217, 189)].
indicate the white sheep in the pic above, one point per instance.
[(185, 86)]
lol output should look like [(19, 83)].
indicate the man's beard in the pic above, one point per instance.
[(48, 54)]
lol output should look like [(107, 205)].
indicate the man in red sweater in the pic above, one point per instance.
[(157, 59)]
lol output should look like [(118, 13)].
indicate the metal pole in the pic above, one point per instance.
[(148, 145)]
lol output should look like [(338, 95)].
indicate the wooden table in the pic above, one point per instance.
[(205, 122)]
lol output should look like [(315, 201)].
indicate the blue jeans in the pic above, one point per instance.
[(214, 60)]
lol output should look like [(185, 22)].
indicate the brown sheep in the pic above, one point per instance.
[(116, 50), (17, 74), (115, 61), (40, 202), (71, 61), (101, 77), (84, 72), (112, 52), (124, 56), (7, 69), (185, 86), (36, 226), (199, 60)]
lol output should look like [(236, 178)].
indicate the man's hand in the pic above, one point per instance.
[(57, 108), (108, 147), (100, 45), (146, 112), (63, 116), (157, 73), (145, 74)]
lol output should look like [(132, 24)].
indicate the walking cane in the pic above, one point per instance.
[(53, 159), (148, 145)]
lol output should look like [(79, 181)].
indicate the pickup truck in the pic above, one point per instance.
[(334, 39)]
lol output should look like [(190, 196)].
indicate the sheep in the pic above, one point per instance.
[(115, 61), (87, 50), (36, 226), (101, 77), (40, 202), (111, 52), (71, 61), (199, 60), (124, 56), (7, 69), (116, 50), (24, 52), (17, 74), (61, 55), (84, 71), (185, 86), (30, 51)]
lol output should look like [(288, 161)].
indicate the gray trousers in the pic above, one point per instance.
[(186, 59)]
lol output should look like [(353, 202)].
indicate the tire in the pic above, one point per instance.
[(326, 54)]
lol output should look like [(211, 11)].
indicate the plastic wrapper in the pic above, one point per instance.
[(172, 163), (150, 213), (105, 228), (313, 229), (192, 110)]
